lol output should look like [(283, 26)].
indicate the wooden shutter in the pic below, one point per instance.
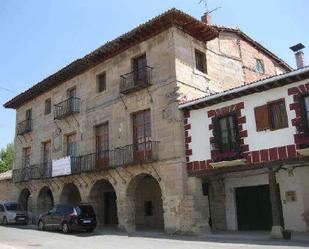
[(261, 118), (217, 134), (237, 139), (304, 119)]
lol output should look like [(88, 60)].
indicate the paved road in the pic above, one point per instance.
[(27, 238)]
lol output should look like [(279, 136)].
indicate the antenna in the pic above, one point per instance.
[(205, 3), (206, 7)]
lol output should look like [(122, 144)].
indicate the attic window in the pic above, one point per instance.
[(259, 66)]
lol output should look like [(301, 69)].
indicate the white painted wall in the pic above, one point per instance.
[(257, 140)]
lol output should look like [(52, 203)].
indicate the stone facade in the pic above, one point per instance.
[(178, 203), (6, 186)]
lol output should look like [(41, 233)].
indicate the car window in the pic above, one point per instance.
[(53, 210), (13, 207), (65, 209), (85, 211), (1, 208)]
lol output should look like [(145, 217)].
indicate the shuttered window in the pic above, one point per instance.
[(278, 117), (261, 118), (271, 116), (200, 61), (226, 133), (304, 102)]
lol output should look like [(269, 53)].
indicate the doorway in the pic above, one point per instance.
[(253, 208)]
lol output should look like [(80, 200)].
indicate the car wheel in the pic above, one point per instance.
[(5, 221), (65, 228), (41, 225)]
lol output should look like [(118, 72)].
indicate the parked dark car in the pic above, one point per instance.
[(68, 218), (12, 213)]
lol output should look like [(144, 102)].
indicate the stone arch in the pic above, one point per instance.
[(104, 200), (70, 194), (145, 198), (45, 200), (25, 199)]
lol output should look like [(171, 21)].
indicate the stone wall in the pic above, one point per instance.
[(6, 189)]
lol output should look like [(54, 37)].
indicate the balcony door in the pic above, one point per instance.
[(46, 157), (102, 145), (140, 69), (72, 105), (26, 157), (71, 145), (142, 145), (28, 120)]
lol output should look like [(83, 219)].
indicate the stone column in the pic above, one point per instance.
[(217, 204), (171, 206), (126, 215), (276, 231)]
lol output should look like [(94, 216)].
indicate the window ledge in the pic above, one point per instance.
[(303, 152), (200, 73), (232, 163)]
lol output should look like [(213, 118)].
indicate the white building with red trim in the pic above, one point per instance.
[(249, 147)]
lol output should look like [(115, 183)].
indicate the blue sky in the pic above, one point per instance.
[(39, 37)]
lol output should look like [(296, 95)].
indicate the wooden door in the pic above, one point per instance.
[(102, 146), (142, 141), (140, 69)]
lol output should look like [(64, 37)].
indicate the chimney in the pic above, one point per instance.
[(206, 18), (299, 55)]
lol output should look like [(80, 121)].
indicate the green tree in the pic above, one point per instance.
[(6, 158)]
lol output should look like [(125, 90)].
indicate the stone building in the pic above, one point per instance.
[(249, 148), (6, 185), (106, 129)]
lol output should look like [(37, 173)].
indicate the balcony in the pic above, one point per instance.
[(135, 80), (67, 108), (228, 158), (38, 171), (24, 127), (123, 156)]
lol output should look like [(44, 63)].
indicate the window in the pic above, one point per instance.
[(28, 114), (226, 136), (71, 145), (200, 61), (148, 206), (142, 135), (26, 156), (259, 66), (72, 103), (102, 144), (46, 146), (271, 116), (101, 82), (304, 102), (140, 69), (1, 208), (47, 106)]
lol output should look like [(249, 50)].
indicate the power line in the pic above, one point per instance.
[(6, 89)]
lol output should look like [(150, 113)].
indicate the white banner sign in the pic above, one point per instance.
[(61, 167)]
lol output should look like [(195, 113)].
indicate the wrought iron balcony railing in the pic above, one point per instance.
[(37, 171), (24, 127), (104, 160), (67, 108), (138, 79)]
